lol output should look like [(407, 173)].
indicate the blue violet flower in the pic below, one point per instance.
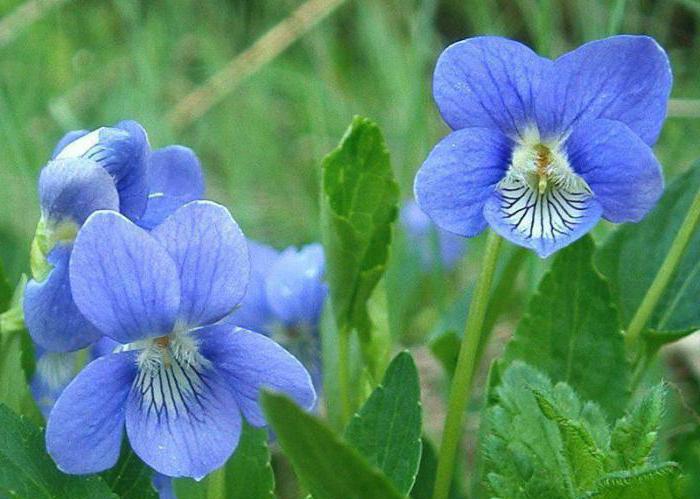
[(542, 149), (183, 381)]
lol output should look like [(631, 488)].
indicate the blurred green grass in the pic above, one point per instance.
[(87, 63)]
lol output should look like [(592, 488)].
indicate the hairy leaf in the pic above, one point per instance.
[(387, 428), (658, 482), (572, 333), (633, 254), (328, 467)]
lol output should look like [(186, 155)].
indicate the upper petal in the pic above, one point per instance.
[(74, 188), (488, 82), (84, 430), (52, 318), (182, 420), (211, 255), (174, 178), (619, 167), (122, 151), (122, 280), (459, 176), (69, 137), (625, 78), (249, 362)]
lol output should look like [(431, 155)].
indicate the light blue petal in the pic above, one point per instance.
[(182, 420), (84, 430), (249, 362), (174, 178), (50, 314), (72, 189), (459, 176), (122, 280), (618, 166), (163, 485), (295, 287), (54, 371), (254, 311), (211, 256), (122, 152), (624, 78), (489, 82)]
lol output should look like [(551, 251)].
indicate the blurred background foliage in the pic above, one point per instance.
[(81, 64)]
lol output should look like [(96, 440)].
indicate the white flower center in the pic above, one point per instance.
[(172, 375), (80, 146), (541, 195)]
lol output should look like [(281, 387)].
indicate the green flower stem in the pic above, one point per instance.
[(216, 483), (662, 279), (466, 362), (344, 374)]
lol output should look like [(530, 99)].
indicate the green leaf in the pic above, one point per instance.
[(5, 290), (358, 206), (387, 428), (633, 254), (246, 475), (635, 434), (328, 467), (130, 478), (14, 390), (571, 331), (27, 471), (581, 451), (445, 347), (658, 482), (425, 481)]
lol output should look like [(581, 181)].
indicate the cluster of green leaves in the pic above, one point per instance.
[(541, 440)]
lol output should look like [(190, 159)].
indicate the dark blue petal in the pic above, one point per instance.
[(249, 362), (69, 137), (123, 280), (122, 151), (71, 189), (295, 287), (489, 82), (624, 78), (581, 222), (175, 178), (84, 430), (459, 176), (182, 419), (619, 167), (52, 318), (211, 255), (254, 311)]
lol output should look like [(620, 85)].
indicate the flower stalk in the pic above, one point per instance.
[(460, 389)]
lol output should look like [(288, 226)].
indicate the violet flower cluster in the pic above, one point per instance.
[(129, 259), (543, 149)]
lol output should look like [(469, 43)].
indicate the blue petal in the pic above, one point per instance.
[(174, 178), (122, 280), (619, 167), (54, 370), (69, 137), (488, 82), (163, 485), (74, 188), (250, 362), (182, 420), (624, 78), (589, 217), (211, 255), (85, 428), (52, 318), (295, 287), (103, 346), (459, 176), (425, 238), (121, 151), (254, 311)]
